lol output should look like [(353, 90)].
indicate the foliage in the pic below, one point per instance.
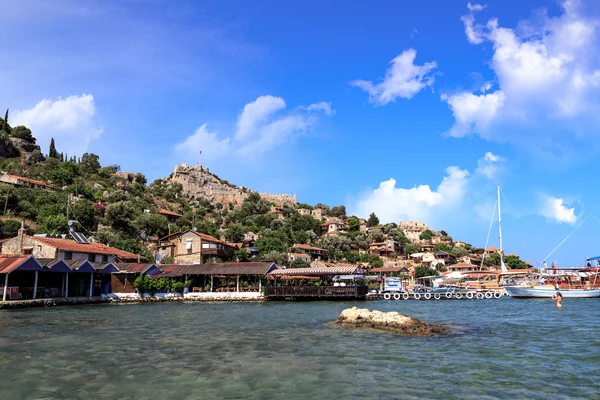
[(279, 258), (426, 235), (272, 241), (514, 262), (120, 215), (411, 248), (9, 228), (373, 220), (443, 247), (24, 133), (422, 271), (234, 233), (152, 224), (90, 163), (338, 211), (299, 263), (492, 260), (52, 153)]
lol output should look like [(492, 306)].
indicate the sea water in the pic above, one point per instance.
[(507, 348)]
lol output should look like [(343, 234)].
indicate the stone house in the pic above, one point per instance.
[(412, 230), (193, 247), (16, 180), (334, 226), (64, 249), (315, 253), (299, 256), (317, 213), (171, 216), (387, 249), (304, 211)]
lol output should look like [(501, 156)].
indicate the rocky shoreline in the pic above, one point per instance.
[(391, 321)]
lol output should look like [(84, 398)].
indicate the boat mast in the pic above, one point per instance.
[(502, 267)]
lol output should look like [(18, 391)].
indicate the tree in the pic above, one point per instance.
[(353, 224), (120, 215), (373, 220), (90, 163), (425, 271), (299, 263), (338, 211), (22, 132), (426, 235), (514, 262), (411, 248), (443, 247), (492, 260), (152, 224), (272, 241), (52, 153), (234, 233)]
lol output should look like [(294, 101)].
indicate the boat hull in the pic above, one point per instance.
[(528, 292)]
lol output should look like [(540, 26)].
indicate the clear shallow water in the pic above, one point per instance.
[(502, 349)]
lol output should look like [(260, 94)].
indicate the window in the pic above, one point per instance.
[(91, 257), (27, 250), (188, 244), (104, 257), (68, 255)]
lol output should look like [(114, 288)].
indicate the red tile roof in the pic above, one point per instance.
[(94, 248), (493, 248), (307, 247), (32, 181), (170, 213)]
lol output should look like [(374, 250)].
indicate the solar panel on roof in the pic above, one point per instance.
[(79, 237)]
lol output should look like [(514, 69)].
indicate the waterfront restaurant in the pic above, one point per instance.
[(221, 277), (328, 287)]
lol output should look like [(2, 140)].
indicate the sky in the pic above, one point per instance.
[(411, 110)]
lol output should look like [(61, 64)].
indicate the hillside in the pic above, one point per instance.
[(120, 209)]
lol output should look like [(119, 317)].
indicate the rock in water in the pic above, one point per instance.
[(387, 321)]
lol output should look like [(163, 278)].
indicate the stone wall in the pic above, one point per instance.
[(13, 246), (198, 181)]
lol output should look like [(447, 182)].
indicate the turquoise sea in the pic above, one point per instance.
[(508, 348)]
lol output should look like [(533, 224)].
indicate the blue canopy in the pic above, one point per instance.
[(594, 258)]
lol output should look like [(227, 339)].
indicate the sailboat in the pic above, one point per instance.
[(570, 282)]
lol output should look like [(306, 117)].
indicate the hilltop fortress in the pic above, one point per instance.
[(198, 181)]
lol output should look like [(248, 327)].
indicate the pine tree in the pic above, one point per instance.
[(52, 152), (5, 122)]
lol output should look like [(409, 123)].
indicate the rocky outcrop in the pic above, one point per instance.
[(387, 321), (198, 181)]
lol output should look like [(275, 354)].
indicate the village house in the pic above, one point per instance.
[(42, 246), (314, 252), (193, 247), (251, 235), (317, 213), (387, 249), (462, 267), (458, 243), (249, 245), (447, 258), (299, 256), (334, 227), (426, 259), (278, 211), (304, 211), (492, 249), (171, 216), (412, 230), (25, 182)]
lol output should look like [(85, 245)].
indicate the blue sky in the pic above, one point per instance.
[(413, 110)]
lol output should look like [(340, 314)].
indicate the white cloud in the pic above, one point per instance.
[(321, 106), (489, 165), (392, 204), (259, 129), (557, 210), (69, 121), (547, 76), (402, 79), (473, 31)]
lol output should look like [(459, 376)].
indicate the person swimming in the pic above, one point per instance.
[(558, 298)]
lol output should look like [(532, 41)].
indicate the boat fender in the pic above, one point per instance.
[(480, 296), (469, 295), (405, 296), (427, 296), (448, 295), (396, 296), (458, 296), (436, 296), (497, 295), (489, 295), (387, 296), (417, 296), (505, 294)]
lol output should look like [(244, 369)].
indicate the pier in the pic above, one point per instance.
[(488, 295)]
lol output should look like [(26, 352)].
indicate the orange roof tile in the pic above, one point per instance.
[(167, 212), (95, 248), (307, 247), (32, 181)]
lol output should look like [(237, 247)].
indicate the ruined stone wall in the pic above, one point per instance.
[(197, 181)]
